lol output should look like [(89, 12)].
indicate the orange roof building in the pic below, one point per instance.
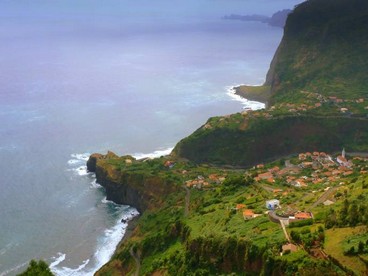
[(303, 215), (240, 206), (248, 214)]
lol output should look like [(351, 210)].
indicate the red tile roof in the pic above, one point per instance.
[(303, 215)]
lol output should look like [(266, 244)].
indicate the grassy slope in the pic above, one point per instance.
[(324, 50), (214, 238), (269, 139)]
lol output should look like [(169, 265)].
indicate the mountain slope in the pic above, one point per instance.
[(319, 73)]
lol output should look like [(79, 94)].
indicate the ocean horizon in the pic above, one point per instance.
[(79, 79)]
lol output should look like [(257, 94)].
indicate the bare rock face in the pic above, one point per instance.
[(92, 161)]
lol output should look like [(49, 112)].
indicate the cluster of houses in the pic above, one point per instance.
[(317, 101), (202, 182), (271, 205), (323, 168)]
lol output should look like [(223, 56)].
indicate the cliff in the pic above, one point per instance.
[(199, 230), (316, 90), (324, 49), (139, 188)]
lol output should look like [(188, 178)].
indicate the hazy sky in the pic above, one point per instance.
[(144, 7)]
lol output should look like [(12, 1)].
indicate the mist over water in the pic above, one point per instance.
[(134, 77)]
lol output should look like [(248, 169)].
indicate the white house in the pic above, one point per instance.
[(272, 204)]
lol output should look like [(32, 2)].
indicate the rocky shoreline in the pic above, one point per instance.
[(261, 93)]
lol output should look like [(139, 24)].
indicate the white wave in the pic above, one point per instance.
[(81, 170), (81, 156), (113, 236), (66, 271), (155, 154), (105, 248), (95, 185), (253, 105), (74, 161), (57, 260), (79, 163), (104, 200)]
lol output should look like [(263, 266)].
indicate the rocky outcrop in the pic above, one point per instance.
[(124, 186), (92, 161)]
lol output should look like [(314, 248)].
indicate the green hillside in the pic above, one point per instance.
[(263, 192), (200, 227), (324, 50), (319, 93)]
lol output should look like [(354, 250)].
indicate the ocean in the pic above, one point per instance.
[(78, 77)]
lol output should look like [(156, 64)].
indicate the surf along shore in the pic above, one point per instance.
[(258, 93), (257, 101)]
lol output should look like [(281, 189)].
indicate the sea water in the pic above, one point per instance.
[(83, 77)]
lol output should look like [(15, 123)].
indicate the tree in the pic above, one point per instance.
[(39, 268), (353, 217), (295, 236), (361, 247)]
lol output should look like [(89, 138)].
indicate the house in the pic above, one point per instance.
[(274, 169), (272, 204), (248, 214), (302, 156), (240, 206), (303, 215), (266, 175)]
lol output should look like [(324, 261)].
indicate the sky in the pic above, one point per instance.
[(144, 7)]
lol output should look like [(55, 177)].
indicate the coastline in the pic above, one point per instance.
[(250, 103), (259, 93)]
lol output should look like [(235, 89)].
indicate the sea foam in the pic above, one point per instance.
[(78, 163), (155, 154), (109, 239), (249, 105), (105, 248)]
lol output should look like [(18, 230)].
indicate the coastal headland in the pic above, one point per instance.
[(204, 208), (258, 93)]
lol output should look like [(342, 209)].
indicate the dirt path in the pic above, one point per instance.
[(324, 197), (137, 260), (284, 229)]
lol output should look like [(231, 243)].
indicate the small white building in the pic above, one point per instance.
[(272, 204)]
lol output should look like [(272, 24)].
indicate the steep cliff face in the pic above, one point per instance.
[(124, 186), (271, 139), (323, 56), (324, 49)]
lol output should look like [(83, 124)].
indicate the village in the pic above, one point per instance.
[(332, 105), (314, 172)]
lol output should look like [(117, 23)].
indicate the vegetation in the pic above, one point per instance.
[(269, 139), (213, 238), (215, 221), (39, 268), (318, 101)]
